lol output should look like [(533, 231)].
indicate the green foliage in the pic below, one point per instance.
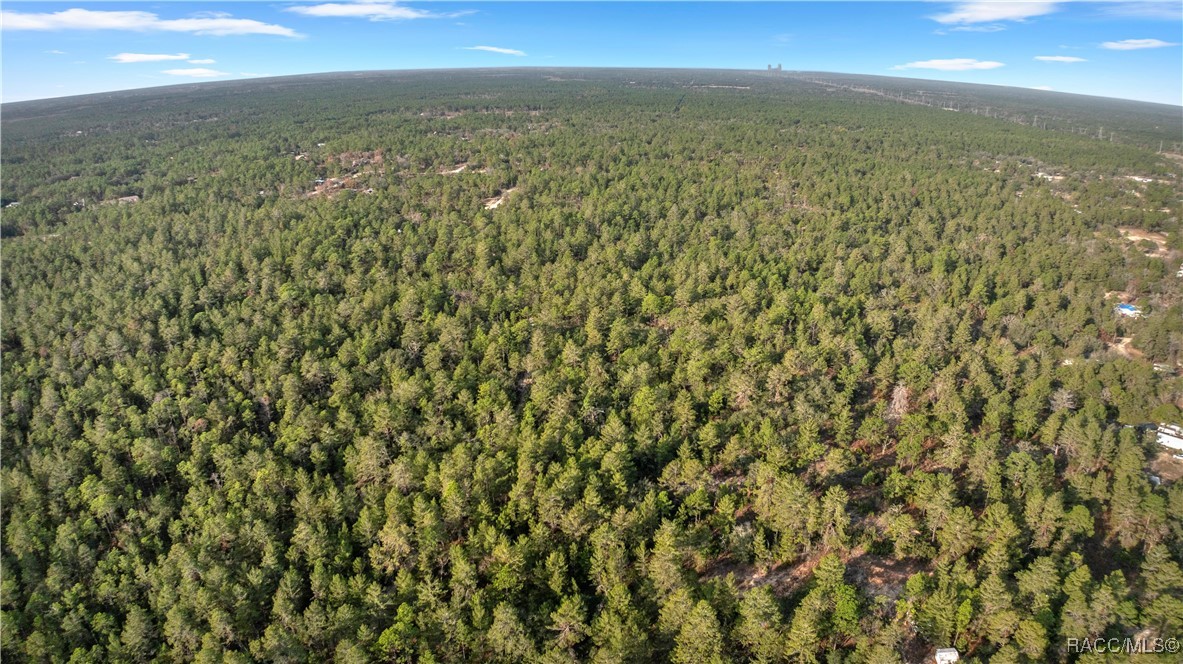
[(794, 373)]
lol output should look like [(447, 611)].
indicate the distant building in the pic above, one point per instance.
[(1128, 311), (1170, 435), (947, 656)]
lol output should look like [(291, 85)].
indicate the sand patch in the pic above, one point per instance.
[(1137, 235), (1124, 348), (496, 201), (1166, 466)]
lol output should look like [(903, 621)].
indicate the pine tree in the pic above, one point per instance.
[(759, 628), (700, 638)]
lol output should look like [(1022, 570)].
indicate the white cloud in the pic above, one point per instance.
[(990, 27), (991, 12), (195, 72), (952, 64), (56, 52), (147, 57), (1059, 58), (374, 11), (495, 49), (1169, 10), (203, 61), (1134, 44), (86, 19), (1045, 88)]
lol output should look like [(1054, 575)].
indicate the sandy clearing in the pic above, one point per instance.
[(1137, 234), (1166, 466), (1123, 348), (496, 201)]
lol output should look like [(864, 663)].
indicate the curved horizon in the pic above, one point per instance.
[(526, 68), (1104, 49)]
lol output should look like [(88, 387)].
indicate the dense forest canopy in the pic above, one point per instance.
[(567, 365)]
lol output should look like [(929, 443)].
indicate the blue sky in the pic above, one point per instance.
[(1113, 49)]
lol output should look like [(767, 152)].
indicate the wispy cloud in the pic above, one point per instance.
[(195, 72), (952, 64), (1045, 88), (495, 49), (56, 52), (1135, 44), (86, 19), (989, 27), (1170, 10), (203, 61), (211, 14), (127, 58), (1059, 58), (374, 11), (965, 13)]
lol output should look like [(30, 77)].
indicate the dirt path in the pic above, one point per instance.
[(496, 201)]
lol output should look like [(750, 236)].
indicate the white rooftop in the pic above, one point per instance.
[(1170, 436)]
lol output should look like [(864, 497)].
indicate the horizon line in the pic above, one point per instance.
[(241, 79)]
